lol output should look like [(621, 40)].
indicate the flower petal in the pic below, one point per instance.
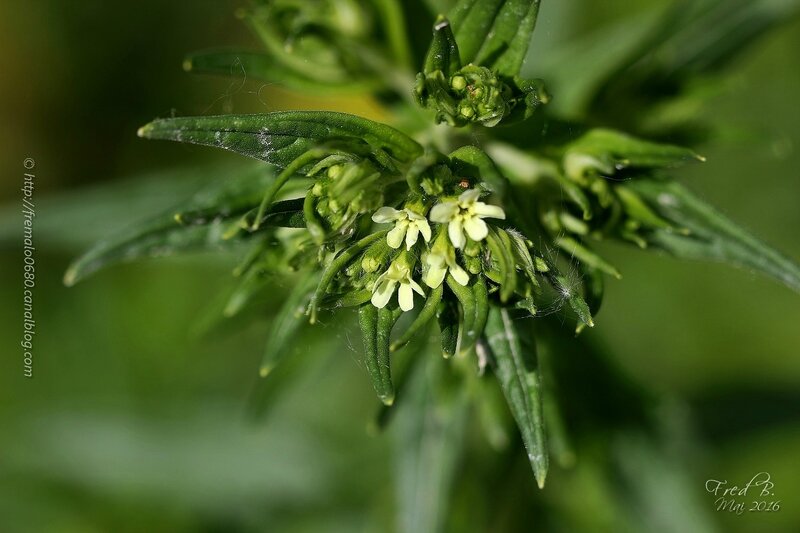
[(411, 236), (456, 233), (469, 196), (425, 229), (395, 236), (443, 212), (435, 260), (416, 287), (488, 211), (405, 296), (476, 228), (459, 274), (387, 214), (435, 276), (383, 293)]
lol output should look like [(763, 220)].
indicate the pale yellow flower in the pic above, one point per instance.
[(440, 260), (465, 215), (398, 274), (408, 225)]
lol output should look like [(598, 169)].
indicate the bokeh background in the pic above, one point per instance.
[(140, 413)]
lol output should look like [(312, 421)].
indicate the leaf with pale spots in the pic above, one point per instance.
[(280, 138)]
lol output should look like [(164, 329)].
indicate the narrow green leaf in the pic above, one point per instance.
[(481, 294), (578, 250), (368, 322), (516, 370), (254, 275), (155, 239), (466, 298), (593, 291), (569, 291), (594, 288), (376, 327), (386, 321), (577, 68), (390, 13), (281, 137), (443, 53), (285, 214), (317, 56), (701, 37), (246, 65), (288, 322), (495, 33), (198, 224), (712, 236), (429, 436), (502, 252), (628, 151)]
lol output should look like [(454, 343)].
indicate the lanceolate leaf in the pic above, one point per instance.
[(245, 65), (704, 36), (628, 151), (288, 322), (443, 53), (282, 137), (376, 327), (712, 236), (235, 63), (495, 33), (516, 368), (429, 435), (199, 224)]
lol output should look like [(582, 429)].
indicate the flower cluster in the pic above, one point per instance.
[(463, 218)]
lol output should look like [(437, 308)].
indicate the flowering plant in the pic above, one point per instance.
[(482, 225)]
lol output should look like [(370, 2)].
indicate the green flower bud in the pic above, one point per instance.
[(477, 94)]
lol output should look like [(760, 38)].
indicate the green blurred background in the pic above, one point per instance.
[(137, 420)]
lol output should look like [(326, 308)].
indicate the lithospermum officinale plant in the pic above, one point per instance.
[(474, 214)]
